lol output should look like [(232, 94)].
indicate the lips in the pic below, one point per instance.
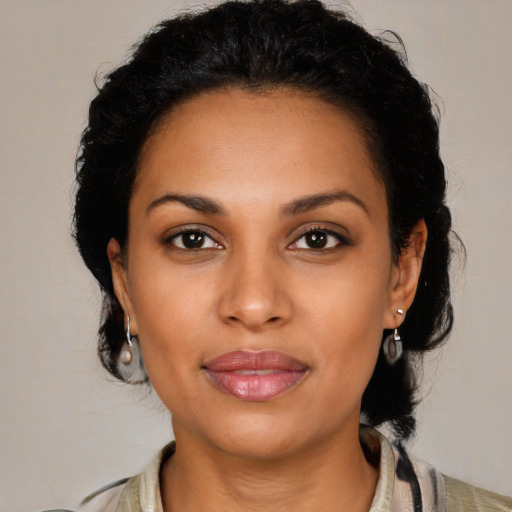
[(255, 376)]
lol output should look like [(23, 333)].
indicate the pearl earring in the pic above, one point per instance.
[(126, 355), (129, 360)]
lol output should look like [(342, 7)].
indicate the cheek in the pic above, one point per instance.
[(352, 297), (170, 313), (345, 314), (170, 339)]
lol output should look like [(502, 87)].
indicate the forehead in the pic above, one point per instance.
[(274, 144)]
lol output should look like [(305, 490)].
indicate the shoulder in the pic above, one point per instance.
[(104, 499), (416, 485), (135, 494), (462, 497)]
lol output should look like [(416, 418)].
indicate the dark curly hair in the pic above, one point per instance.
[(258, 45)]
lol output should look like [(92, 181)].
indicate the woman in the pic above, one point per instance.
[(261, 199)]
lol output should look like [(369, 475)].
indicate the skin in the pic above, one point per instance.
[(257, 285)]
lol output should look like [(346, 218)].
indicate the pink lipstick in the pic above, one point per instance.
[(255, 376)]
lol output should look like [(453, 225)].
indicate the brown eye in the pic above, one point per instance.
[(194, 240), (318, 239)]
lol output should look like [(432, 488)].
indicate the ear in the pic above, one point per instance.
[(120, 282), (405, 275)]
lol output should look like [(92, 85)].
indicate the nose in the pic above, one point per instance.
[(255, 295)]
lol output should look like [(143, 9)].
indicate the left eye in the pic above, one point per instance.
[(193, 240), (317, 239)]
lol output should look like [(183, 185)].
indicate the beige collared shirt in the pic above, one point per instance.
[(405, 484)]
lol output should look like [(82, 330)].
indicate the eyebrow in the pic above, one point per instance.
[(304, 204), (199, 203), (307, 203)]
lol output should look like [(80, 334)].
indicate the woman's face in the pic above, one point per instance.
[(259, 274)]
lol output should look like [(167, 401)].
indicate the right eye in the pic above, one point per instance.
[(193, 240)]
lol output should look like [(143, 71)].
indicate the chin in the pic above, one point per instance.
[(263, 436), (261, 445)]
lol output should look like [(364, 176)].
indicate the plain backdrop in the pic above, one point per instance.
[(66, 428)]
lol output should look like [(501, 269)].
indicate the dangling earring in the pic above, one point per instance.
[(129, 361), (392, 346), (126, 355)]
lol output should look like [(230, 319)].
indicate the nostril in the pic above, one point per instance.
[(236, 319)]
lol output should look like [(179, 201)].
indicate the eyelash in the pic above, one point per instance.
[(170, 240), (341, 240)]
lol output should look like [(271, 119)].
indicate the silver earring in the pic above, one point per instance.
[(126, 355), (129, 361), (392, 346)]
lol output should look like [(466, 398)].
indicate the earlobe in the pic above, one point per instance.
[(119, 278), (408, 272)]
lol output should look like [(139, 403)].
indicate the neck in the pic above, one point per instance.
[(332, 476)]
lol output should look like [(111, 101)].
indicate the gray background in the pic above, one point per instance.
[(65, 427)]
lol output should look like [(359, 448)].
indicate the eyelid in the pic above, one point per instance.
[(343, 239), (213, 235), (174, 233)]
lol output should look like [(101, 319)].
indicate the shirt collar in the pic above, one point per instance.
[(403, 480)]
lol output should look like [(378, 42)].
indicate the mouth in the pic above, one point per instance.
[(255, 376)]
